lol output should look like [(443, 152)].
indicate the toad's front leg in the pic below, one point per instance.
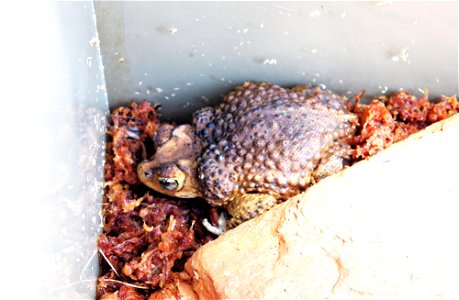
[(247, 206), (241, 208)]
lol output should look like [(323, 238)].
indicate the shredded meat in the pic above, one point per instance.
[(145, 239), (386, 121)]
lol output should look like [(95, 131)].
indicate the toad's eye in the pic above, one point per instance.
[(148, 174), (168, 184)]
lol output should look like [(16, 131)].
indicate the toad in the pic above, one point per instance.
[(260, 146)]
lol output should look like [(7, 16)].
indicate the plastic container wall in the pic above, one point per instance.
[(183, 55), (186, 54), (54, 115)]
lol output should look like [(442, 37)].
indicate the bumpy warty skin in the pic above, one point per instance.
[(267, 139)]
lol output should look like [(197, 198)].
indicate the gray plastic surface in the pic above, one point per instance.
[(54, 111), (184, 55), (75, 174)]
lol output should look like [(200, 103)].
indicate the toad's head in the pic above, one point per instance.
[(173, 168)]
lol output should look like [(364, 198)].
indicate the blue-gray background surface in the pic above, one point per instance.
[(184, 55)]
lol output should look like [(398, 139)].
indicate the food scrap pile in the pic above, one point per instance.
[(386, 121), (146, 239)]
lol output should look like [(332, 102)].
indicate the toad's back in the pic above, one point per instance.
[(269, 139)]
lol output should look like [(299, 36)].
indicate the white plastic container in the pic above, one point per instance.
[(69, 63)]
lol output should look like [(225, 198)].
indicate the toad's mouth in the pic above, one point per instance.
[(167, 178), (176, 180)]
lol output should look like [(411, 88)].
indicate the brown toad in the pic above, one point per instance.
[(261, 145)]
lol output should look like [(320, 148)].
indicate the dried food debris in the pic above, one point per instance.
[(145, 239)]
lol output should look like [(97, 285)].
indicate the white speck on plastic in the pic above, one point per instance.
[(437, 80), (173, 95), (89, 61), (145, 74), (203, 55), (222, 79), (245, 30), (210, 64), (223, 57), (189, 83), (270, 61), (94, 42), (148, 91), (404, 54), (322, 86), (340, 81), (140, 83), (343, 15), (121, 60), (286, 33), (176, 88), (262, 25), (136, 93), (159, 90), (116, 53), (173, 30), (167, 98), (314, 13), (313, 50), (317, 74), (303, 73), (197, 19), (314, 80), (421, 90), (384, 90)]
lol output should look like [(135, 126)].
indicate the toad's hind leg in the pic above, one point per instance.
[(247, 206)]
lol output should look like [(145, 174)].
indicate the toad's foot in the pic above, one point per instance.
[(219, 229), (247, 206)]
